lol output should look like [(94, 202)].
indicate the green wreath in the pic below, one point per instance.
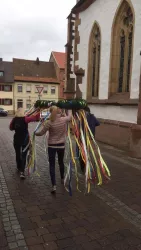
[(74, 104)]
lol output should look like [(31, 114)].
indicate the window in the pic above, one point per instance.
[(7, 102), (28, 106), (28, 103), (121, 69), (94, 62), (28, 89), (122, 46), (45, 90), (1, 73), (20, 88), (7, 88), (64, 77), (53, 90), (19, 103)]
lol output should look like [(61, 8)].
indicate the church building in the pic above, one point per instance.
[(103, 66)]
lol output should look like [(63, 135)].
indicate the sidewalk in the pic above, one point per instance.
[(126, 177), (31, 218)]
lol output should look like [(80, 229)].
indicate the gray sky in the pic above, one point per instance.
[(33, 28)]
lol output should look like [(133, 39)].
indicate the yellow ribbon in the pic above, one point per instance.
[(73, 159)]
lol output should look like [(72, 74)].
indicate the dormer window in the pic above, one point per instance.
[(1, 73)]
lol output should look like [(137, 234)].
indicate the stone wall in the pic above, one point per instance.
[(123, 135)]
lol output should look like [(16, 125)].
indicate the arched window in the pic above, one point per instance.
[(94, 62), (122, 47)]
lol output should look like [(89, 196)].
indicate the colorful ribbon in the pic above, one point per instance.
[(96, 169)]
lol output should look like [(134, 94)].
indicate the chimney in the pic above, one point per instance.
[(37, 61), (0, 59)]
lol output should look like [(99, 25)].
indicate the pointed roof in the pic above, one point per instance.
[(60, 58)]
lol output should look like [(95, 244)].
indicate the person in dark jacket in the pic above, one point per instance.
[(92, 120), (93, 123), (21, 141)]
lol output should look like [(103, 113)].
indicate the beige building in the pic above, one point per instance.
[(28, 76), (26, 93), (6, 85)]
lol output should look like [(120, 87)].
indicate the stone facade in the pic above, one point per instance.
[(26, 93)]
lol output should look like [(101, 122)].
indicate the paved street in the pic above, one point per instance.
[(31, 218)]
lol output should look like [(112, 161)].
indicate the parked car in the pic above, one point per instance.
[(3, 112), (43, 113)]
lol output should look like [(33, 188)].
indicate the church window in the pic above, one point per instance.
[(121, 67), (94, 62), (130, 42), (122, 47)]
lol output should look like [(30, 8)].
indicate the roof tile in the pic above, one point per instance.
[(29, 68), (36, 79), (7, 68), (60, 58)]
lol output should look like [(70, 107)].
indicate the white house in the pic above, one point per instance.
[(103, 66)]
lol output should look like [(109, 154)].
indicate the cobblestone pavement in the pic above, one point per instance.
[(31, 218)]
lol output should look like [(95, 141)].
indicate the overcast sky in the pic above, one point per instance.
[(33, 28)]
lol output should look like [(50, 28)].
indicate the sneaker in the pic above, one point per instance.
[(22, 175), (53, 189)]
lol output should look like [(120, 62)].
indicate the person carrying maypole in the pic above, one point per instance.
[(57, 128), (21, 140)]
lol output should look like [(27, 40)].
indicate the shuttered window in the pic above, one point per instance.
[(45, 90), (6, 88), (28, 88), (6, 102), (53, 90), (19, 88)]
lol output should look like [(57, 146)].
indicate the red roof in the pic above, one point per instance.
[(36, 79), (60, 58)]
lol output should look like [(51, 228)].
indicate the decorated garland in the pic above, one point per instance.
[(74, 104), (96, 170)]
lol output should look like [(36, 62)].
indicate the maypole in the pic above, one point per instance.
[(96, 170)]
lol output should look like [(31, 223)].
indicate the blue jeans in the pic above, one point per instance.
[(52, 153)]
